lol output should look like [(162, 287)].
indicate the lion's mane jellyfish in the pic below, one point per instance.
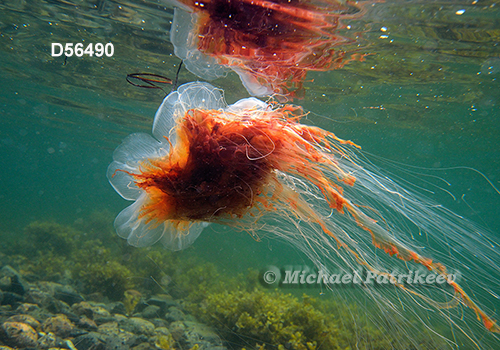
[(255, 167), (270, 44)]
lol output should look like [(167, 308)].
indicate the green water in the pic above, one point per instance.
[(427, 96)]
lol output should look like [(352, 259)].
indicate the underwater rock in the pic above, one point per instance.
[(99, 311), (95, 312), (68, 295), (138, 326), (61, 292), (177, 329), (103, 320), (59, 325), (12, 299), (30, 320), (36, 296), (109, 328), (159, 323), (117, 308), (88, 342), (163, 301), (5, 310), (151, 311), (57, 307), (111, 331), (118, 319), (144, 346), (117, 338), (198, 333), (191, 335), (11, 281), (47, 340), (123, 341), (83, 309), (86, 323), (26, 308), (174, 314), (43, 298), (162, 331), (5, 283), (18, 334)]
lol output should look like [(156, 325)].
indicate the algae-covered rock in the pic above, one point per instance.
[(90, 309), (165, 341), (151, 311), (65, 293), (130, 299), (174, 314), (86, 323), (59, 325), (11, 281), (89, 341), (138, 325), (18, 334), (30, 320), (47, 340)]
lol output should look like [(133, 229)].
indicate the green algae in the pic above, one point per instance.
[(49, 236), (108, 277), (259, 319), (165, 342), (281, 321), (131, 299)]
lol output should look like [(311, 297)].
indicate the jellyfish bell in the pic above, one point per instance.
[(136, 154), (255, 167), (270, 44)]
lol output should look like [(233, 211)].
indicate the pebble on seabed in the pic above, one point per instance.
[(33, 315), (18, 334), (25, 319), (60, 325)]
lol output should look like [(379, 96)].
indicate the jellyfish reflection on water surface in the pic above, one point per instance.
[(270, 44), (254, 166)]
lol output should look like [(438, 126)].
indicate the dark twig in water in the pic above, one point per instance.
[(100, 6), (174, 86), (150, 80)]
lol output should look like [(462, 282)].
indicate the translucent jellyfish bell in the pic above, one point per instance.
[(138, 151), (177, 103)]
